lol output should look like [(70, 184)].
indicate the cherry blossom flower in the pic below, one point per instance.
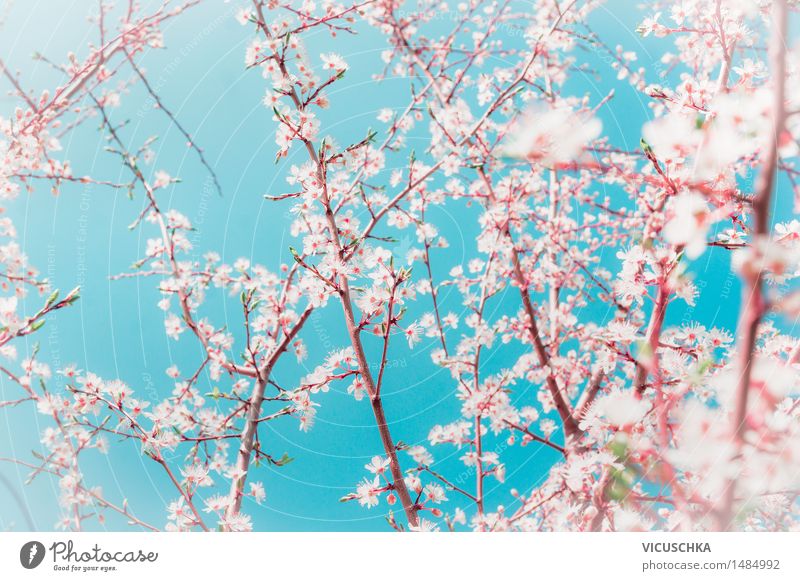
[(622, 409), (378, 465), (552, 136), (367, 492), (567, 322), (689, 224), (333, 62)]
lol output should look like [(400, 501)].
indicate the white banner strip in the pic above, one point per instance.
[(385, 557)]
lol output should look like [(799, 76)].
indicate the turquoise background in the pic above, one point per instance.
[(116, 330)]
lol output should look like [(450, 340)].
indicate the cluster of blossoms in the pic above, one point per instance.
[(646, 425)]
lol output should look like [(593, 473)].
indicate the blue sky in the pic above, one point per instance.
[(116, 330)]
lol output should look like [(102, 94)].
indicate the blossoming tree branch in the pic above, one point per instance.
[(650, 424)]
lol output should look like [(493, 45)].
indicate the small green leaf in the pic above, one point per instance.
[(51, 299)]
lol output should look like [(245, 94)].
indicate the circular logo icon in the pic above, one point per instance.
[(31, 554)]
